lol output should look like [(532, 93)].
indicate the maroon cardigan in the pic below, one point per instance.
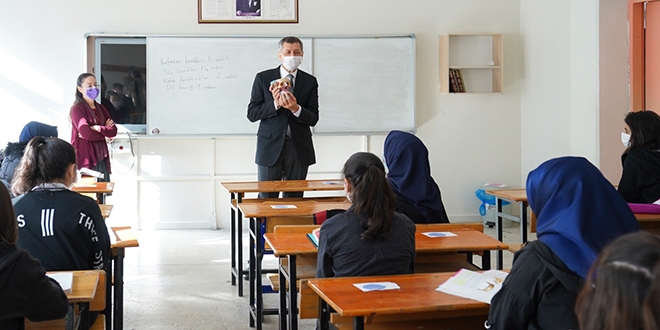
[(89, 144)]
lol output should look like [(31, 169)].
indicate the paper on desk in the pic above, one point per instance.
[(65, 280), (376, 286), (283, 206), (434, 234), (474, 285)]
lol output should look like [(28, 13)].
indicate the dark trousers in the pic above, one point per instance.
[(287, 167)]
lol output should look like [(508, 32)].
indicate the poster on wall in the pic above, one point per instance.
[(248, 11)]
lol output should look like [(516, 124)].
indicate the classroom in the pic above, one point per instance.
[(565, 91)]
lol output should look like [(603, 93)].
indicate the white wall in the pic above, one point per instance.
[(473, 139), (575, 82)]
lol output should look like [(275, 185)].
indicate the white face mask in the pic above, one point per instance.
[(625, 139), (291, 63), (348, 195)]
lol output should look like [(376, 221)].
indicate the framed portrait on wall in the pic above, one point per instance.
[(247, 11)]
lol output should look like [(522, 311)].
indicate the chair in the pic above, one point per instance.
[(320, 217)]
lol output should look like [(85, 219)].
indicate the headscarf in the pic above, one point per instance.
[(409, 174), (578, 212), (34, 128)]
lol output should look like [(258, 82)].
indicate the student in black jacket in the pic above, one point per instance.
[(640, 180), (578, 213), (370, 238), (61, 228), (25, 290)]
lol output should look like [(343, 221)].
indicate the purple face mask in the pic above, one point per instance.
[(92, 92)]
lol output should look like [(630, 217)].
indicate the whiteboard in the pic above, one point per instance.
[(201, 85)]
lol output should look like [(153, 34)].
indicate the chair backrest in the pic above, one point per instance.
[(320, 217)]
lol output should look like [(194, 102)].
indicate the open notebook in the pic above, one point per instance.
[(65, 279)]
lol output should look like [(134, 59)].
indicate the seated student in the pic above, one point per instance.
[(25, 290), (14, 150), (623, 286), (370, 238), (409, 174), (578, 213), (640, 180), (61, 228)]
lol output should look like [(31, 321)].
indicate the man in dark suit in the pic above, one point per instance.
[(284, 138)]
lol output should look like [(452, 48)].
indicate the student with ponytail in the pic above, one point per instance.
[(61, 228), (91, 124), (370, 238)]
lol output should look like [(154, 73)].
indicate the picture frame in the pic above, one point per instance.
[(247, 11)]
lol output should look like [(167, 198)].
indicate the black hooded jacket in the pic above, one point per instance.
[(12, 156), (640, 180), (26, 291)]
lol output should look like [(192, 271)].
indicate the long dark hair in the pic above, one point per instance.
[(623, 287), (373, 199), (79, 82), (45, 160), (8, 224), (644, 130)]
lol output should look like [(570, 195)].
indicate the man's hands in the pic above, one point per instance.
[(283, 99)]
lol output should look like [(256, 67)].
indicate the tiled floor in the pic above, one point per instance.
[(180, 279)]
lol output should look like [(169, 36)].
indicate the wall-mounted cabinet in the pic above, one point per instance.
[(477, 58)]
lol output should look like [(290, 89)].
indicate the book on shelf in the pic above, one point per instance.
[(480, 286), (453, 83), (64, 279), (461, 83)]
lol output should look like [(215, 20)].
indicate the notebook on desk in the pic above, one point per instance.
[(64, 279), (314, 239)]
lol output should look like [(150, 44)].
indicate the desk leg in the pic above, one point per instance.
[(485, 260), (84, 316), (358, 323), (232, 231), (324, 315), (101, 198), (500, 256), (108, 296), (119, 290), (282, 295), (523, 222), (239, 246), (293, 293), (257, 268), (251, 271)]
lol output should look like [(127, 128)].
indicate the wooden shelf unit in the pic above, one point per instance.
[(478, 56)]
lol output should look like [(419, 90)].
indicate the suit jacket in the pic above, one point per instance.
[(273, 122)]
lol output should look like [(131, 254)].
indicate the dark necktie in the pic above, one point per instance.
[(290, 76)]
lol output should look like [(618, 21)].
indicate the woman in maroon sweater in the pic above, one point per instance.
[(91, 124)]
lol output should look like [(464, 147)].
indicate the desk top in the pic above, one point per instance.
[(122, 237), (516, 195), (303, 208), (417, 295), (83, 288), (284, 244), (105, 210), (284, 186), (647, 217), (94, 187)]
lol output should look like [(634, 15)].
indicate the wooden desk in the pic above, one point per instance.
[(258, 212), (237, 192), (649, 222), (416, 296), (83, 290), (120, 239), (105, 210), (290, 245), (518, 196), (98, 188)]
